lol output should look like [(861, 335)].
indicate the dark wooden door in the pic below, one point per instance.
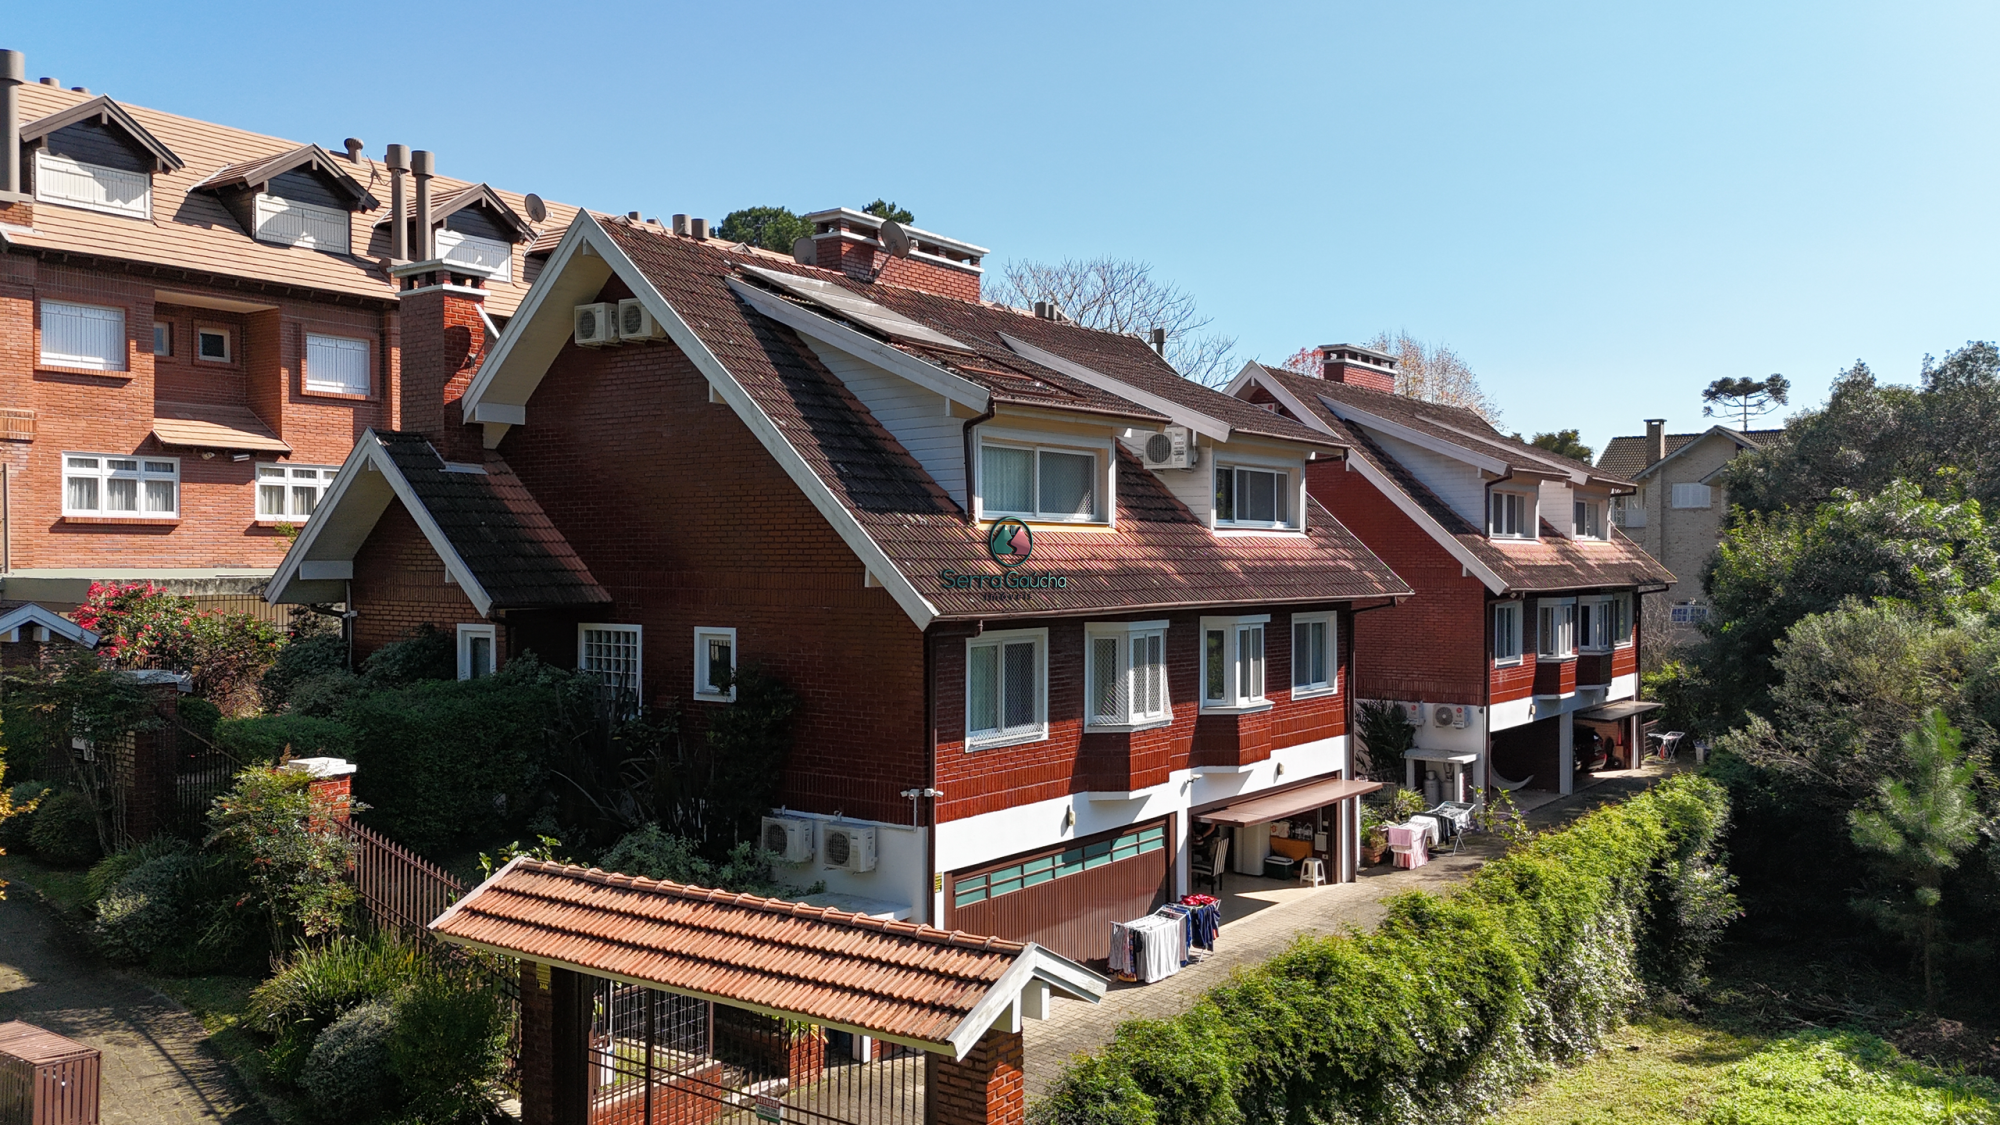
[(1066, 898)]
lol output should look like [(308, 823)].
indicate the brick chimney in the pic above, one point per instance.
[(854, 243), (443, 339), (1656, 440), (1358, 366)]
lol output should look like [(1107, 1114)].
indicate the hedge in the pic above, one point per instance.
[(1453, 1003)]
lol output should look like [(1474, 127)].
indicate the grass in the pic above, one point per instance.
[(62, 888), (1661, 1070)]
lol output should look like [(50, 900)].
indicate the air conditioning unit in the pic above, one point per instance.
[(850, 847), (1450, 715), (1413, 713), (790, 837), (1172, 448), (636, 323), (596, 325)]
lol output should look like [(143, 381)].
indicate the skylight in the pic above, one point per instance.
[(852, 306)]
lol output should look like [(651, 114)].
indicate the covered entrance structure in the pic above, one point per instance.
[(653, 1003), (1617, 727), (1318, 819)]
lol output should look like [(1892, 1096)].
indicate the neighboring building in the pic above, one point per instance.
[(1679, 509), (1044, 602), (196, 322), (1521, 648)]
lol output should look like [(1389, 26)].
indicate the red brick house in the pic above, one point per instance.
[(196, 322), (1519, 657), (1045, 602)]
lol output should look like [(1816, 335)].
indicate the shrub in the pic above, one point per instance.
[(315, 986), (265, 738), (65, 830), (274, 827), (105, 875), (447, 1046), (145, 626), (147, 909), (303, 658), (324, 695), (426, 654), (345, 1071), (198, 715), (1451, 1004), (650, 852), (24, 799)]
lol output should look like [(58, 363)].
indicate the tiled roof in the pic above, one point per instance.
[(1550, 563), (496, 526), (192, 230), (204, 425), (1159, 556), (898, 980), (1626, 456)]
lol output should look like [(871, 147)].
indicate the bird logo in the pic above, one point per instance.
[(1010, 542)]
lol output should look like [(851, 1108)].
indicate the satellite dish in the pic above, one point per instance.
[(804, 251), (537, 210), (895, 239)]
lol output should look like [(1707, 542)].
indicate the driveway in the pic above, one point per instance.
[(157, 1067)]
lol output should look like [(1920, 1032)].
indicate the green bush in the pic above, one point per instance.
[(65, 830), (448, 1046), (316, 986), (264, 738), (198, 715), (301, 659), (650, 852), (346, 1073), (105, 874), (14, 830), (148, 909), (426, 654), (324, 695), (1451, 1004)]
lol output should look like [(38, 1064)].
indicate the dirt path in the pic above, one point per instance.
[(157, 1067)]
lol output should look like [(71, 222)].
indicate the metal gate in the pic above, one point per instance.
[(658, 1058), (1066, 898)]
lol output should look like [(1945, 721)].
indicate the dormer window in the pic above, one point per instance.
[(474, 228), (1040, 482), (1587, 521), (1510, 515), (299, 198), (1254, 496), (95, 187), (292, 222), (95, 156)]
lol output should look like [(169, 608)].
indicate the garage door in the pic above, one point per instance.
[(1066, 898)]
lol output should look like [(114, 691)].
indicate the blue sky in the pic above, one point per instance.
[(1600, 207)]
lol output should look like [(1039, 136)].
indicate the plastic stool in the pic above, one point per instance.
[(1312, 872)]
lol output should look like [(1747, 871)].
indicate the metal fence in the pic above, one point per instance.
[(657, 1058)]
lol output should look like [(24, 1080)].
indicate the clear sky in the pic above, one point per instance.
[(1600, 206)]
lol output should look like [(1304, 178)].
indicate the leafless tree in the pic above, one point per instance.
[(1435, 373), (1121, 295)]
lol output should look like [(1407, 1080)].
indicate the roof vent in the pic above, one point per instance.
[(79, 89), (699, 229), (632, 215), (354, 147), (51, 82), (680, 224)]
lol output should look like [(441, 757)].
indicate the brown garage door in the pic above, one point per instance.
[(1066, 898)]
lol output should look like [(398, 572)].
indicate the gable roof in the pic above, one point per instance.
[(1626, 455), (259, 173), (909, 983), (102, 109), (193, 232), (13, 616), (472, 196), (899, 523), (492, 535), (1548, 564)]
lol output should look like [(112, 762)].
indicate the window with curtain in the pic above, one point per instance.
[(1621, 619), (1555, 629), (291, 492), (715, 664), (1315, 660), (612, 652), (88, 336), (1005, 691), (95, 484), (1252, 497), (1511, 516), (1127, 673), (1507, 633), (1036, 483), (1232, 662), (336, 365)]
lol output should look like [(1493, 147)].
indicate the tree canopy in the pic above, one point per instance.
[(885, 209), (1567, 443), (1122, 295), (773, 228), (1746, 398)]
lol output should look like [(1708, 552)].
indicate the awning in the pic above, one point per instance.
[(1623, 709), (1455, 757), (1266, 807), (200, 425)]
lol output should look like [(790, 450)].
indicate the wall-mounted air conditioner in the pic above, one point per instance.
[(1172, 448), (596, 325), (790, 837), (1451, 715), (1413, 713), (849, 847), (636, 323)]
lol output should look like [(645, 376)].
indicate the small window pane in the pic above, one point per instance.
[(1019, 683), (1066, 485), (1107, 697), (163, 338), (1007, 479), (479, 654), (1225, 496), (160, 497), (82, 494), (1214, 666), (213, 345), (720, 664), (121, 494), (1257, 496), (271, 500), (982, 678)]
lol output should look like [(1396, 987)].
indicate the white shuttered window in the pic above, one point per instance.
[(290, 223), (471, 250), (58, 179), (336, 365), (83, 336), (1128, 673), (1692, 496)]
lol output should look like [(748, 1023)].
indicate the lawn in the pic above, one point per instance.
[(1667, 1070)]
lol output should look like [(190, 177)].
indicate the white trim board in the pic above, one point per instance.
[(1213, 429), (893, 360)]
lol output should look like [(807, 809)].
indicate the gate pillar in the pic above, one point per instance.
[(983, 1088), (555, 1045)]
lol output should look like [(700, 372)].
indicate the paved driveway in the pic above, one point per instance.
[(157, 1068)]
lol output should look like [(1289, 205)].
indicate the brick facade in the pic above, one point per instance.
[(986, 1087)]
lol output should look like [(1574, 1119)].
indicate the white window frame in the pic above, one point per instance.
[(1624, 629), (163, 328), (1507, 634), (1243, 688), (704, 687), (466, 635), (1528, 518), (106, 315), (1594, 508), (348, 344), (1688, 613), (1689, 495), (638, 673), (1290, 487), (1593, 625), (73, 183), (480, 253), (143, 472), (1331, 639), (1133, 686), (1101, 477), (1562, 613), (228, 343), (285, 475), (288, 222), (1003, 735)]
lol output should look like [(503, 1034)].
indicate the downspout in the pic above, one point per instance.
[(930, 889), (986, 416)]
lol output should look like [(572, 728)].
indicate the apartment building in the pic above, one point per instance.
[(197, 322), (1046, 604)]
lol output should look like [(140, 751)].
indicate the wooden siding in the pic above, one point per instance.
[(1071, 915), (914, 416), (1455, 482), (102, 145)]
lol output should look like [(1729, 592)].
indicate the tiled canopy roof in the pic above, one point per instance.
[(1160, 556), (1626, 456), (901, 981)]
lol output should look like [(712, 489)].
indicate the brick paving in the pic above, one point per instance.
[(1074, 1026), (158, 1069)]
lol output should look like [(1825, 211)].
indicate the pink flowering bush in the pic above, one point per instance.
[(146, 626)]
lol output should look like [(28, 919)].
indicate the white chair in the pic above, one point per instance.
[(1312, 872)]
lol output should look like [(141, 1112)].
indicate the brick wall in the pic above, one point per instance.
[(400, 583), (446, 338), (986, 1087)]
